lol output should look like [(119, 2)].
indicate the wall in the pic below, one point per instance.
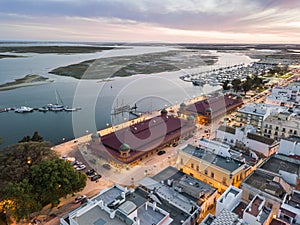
[(287, 147)]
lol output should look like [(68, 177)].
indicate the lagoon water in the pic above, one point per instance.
[(95, 97)]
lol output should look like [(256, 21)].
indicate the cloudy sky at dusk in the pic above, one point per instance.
[(202, 21)]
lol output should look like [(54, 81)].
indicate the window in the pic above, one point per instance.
[(205, 172), (266, 130), (269, 205), (276, 133), (295, 132), (192, 165), (197, 167), (283, 129), (212, 174), (224, 180), (276, 128), (181, 161), (251, 196)]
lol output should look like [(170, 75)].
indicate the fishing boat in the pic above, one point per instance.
[(23, 109)]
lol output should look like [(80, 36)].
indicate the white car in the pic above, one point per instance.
[(80, 167)]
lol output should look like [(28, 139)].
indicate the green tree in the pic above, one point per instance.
[(236, 84), (225, 85), (247, 85), (46, 182), (54, 179), (16, 160), (22, 200)]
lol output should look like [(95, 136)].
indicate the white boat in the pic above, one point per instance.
[(58, 106), (43, 109), (67, 109), (23, 109)]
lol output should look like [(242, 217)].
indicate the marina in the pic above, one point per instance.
[(218, 76), (26, 109)]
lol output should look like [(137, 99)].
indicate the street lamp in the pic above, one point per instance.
[(29, 160)]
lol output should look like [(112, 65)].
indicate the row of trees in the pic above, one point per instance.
[(32, 176), (250, 83)]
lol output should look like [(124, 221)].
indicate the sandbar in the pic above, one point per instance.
[(28, 80)]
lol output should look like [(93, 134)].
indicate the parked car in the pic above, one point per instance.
[(161, 152), (90, 173), (106, 166), (76, 163), (96, 177), (79, 199), (80, 167)]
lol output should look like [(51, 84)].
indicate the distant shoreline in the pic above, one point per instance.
[(28, 80)]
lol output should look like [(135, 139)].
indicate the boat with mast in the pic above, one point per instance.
[(58, 106)]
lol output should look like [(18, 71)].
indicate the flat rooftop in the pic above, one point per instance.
[(275, 163), (228, 164), (96, 216), (227, 129), (265, 183), (240, 208), (260, 138), (178, 205), (149, 216), (276, 221), (294, 200), (294, 138), (253, 209), (185, 181), (109, 195), (258, 109)]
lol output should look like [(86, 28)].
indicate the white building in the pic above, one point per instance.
[(255, 213), (232, 211), (255, 114), (246, 137), (118, 206), (290, 208), (183, 195), (229, 199), (284, 96), (290, 147)]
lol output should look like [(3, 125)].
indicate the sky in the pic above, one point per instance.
[(175, 21)]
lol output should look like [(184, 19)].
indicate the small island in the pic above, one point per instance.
[(124, 66), (28, 80), (54, 49)]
